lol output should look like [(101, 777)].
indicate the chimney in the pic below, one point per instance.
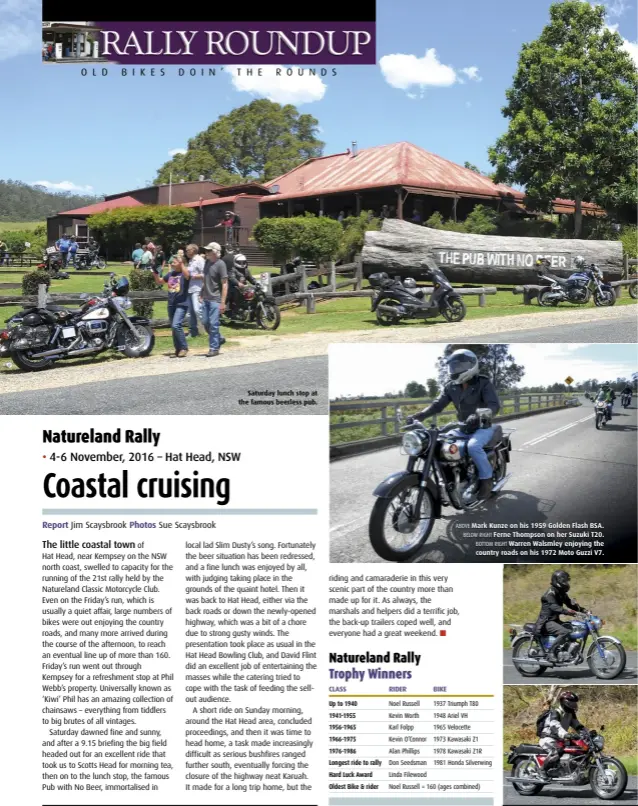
[(354, 148)]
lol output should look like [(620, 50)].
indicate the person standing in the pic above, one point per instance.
[(137, 254), (196, 264), (213, 296), (177, 279), (147, 261), (62, 245), (73, 250)]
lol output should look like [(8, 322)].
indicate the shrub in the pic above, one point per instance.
[(279, 236), (629, 238), (16, 239), (143, 280), (353, 235), (32, 279), (319, 238), (435, 221), (124, 226), (482, 220)]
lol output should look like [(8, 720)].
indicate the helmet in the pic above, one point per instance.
[(462, 365), (569, 701), (409, 282), (240, 262), (560, 581), (606, 385), (121, 287), (579, 261)]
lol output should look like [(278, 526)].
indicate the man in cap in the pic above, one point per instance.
[(213, 296)]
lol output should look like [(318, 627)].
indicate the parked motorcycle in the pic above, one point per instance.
[(255, 306), (625, 400), (532, 655), (37, 337), (577, 289), (439, 473), (89, 260), (395, 300), (583, 762), (53, 265), (602, 413)]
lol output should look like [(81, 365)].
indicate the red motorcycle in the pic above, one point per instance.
[(582, 762)]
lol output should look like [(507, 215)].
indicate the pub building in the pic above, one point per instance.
[(70, 42)]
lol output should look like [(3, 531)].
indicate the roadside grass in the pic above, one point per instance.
[(356, 433), (610, 591), (610, 705)]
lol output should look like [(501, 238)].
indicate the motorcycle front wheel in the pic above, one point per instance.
[(268, 315), (521, 659), (396, 531), (604, 299), (610, 784), (21, 359), (543, 298), (138, 345), (525, 768), (101, 263), (633, 289), (600, 421), (453, 309), (612, 664)]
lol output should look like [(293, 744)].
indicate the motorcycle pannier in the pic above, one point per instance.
[(378, 280)]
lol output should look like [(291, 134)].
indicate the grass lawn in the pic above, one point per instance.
[(10, 226), (332, 316)]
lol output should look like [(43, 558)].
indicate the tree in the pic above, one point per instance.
[(433, 388), (22, 202), (124, 226), (572, 112), (471, 167), (415, 389), (495, 361), (255, 142)]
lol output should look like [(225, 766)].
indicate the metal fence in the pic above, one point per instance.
[(388, 423)]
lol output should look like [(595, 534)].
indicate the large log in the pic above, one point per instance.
[(405, 249)]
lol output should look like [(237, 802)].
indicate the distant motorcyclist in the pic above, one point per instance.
[(468, 391), (238, 277), (556, 603), (558, 723), (627, 392)]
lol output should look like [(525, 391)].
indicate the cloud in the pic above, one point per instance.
[(472, 73), (279, 84), (616, 8), (175, 151), (407, 72), (21, 30), (63, 186)]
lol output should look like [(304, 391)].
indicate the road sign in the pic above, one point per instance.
[(569, 380)]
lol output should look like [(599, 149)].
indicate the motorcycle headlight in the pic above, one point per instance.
[(599, 742), (412, 443)]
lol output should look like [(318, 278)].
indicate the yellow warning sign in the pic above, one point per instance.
[(569, 379)]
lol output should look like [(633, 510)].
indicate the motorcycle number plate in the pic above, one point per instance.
[(68, 332)]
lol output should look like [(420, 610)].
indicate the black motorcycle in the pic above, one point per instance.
[(89, 260), (251, 305), (577, 289), (37, 337), (440, 473), (582, 763), (625, 400), (52, 263), (395, 300)]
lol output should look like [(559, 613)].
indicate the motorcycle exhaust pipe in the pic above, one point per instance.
[(500, 484), (85, 351), (48, 354), (538, 780)]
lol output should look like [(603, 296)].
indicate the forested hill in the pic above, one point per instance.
[(22, 202)]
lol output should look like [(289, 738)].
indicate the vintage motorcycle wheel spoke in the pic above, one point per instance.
[(400, 515), (521, 658), (607, 780), (606, 659)]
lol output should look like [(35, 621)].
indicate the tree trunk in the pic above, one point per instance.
[(578, 216), (405, 249)]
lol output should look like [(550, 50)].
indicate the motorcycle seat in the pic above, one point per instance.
[(531, 748), (497, 436)]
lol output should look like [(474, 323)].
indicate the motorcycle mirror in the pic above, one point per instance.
[(84, 296)]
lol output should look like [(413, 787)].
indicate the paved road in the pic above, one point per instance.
[(573, 674), (616, 331), (563, 471), (214, 390), (565, 795)]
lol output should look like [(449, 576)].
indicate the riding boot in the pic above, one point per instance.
[(485, 489)]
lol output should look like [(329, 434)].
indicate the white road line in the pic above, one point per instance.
[(536, 440), (356, 521)]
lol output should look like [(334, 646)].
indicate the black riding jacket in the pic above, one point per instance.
[(477, 393), (555, 604)]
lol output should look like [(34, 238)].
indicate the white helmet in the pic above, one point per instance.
[(461, 366), (240, 262), (409, 282), (579, 261)]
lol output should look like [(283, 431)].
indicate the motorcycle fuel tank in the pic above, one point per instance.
[(96, 313)]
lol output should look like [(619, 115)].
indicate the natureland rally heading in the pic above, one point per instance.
[(144, 437)]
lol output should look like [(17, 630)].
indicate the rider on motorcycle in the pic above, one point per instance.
[(558, 723), (468, 391), (556, 603), (605, 393), (237, 278), (627, 391)]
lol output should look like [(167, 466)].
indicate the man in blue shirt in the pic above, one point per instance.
[(137, 254), (62, 245), (73, 249), (177, 279)]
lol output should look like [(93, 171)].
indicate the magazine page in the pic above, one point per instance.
[(318, 379)]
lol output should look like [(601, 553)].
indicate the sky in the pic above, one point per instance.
[(440, 83), (376, 369)]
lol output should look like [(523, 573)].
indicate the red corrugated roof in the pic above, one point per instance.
[(101, 207), (222, 200), (383, 166)]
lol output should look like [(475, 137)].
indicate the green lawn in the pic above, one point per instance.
[(9, 226)]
